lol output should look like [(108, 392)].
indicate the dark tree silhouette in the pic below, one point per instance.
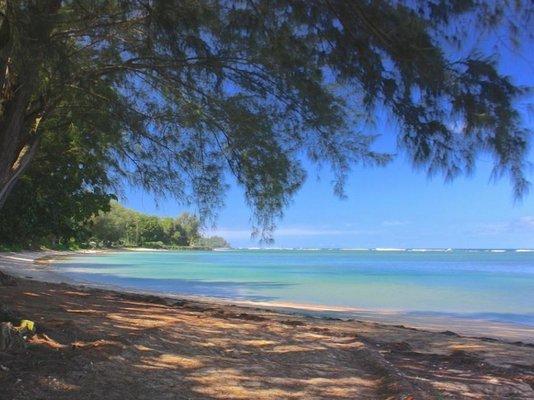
[(205, 87)]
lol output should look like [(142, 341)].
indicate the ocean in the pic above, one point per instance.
[(493, 285)]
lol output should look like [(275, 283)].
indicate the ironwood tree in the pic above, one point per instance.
[(205, 89)]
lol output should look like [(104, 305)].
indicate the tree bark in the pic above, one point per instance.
[(12, 174), (21, 107), (18, 135)]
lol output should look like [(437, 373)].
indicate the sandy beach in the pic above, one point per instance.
[(98, 343)]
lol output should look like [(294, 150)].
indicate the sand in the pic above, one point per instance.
[(100, 344)]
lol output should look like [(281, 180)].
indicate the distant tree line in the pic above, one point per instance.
[(83, 225), (125, 227)]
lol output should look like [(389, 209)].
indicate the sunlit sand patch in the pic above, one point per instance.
[(294, 348), (221, 343), (239, 392), (137, 321), (170, 361), (259, 342), (235, 384), (463, 390), (57, 384), (147, 315), (468, 347), (277, 329), (78, 294), (353, 344), (223, 325), (85, 311), (183, 362), (207, 345), (31, 294), (228, 383), (308, 336), (140, 347), (348, 388)]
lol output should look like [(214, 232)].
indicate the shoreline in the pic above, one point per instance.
[(100, 343), (37, 265)]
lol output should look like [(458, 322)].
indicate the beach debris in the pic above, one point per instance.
[(14, 337), (4, 368), (26, 328), (11, 339), (7, 280)]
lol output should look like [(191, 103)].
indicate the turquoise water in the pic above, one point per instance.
[(496, 286)]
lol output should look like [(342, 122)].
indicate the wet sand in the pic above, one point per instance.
[(100, 344)]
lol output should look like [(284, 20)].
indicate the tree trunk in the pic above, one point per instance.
[(22, 104), (12, 174), (18, 135)]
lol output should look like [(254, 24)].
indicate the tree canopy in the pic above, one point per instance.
[(65, 186), (125, 227), (196, 90)]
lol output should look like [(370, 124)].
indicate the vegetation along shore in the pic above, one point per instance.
[(116, 227)]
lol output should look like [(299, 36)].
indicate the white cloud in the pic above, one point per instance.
[(317, 232), (526, 222), (520, 225), (390, 223), (230, 234)]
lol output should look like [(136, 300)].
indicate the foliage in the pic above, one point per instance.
[(60, 192), (205, 88), (125, 227)]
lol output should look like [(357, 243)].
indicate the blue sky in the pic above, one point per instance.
[(393, 206)]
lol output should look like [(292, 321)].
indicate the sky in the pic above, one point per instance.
[(393, 206)]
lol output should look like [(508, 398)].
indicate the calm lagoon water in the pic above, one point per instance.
[(484, 284)]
